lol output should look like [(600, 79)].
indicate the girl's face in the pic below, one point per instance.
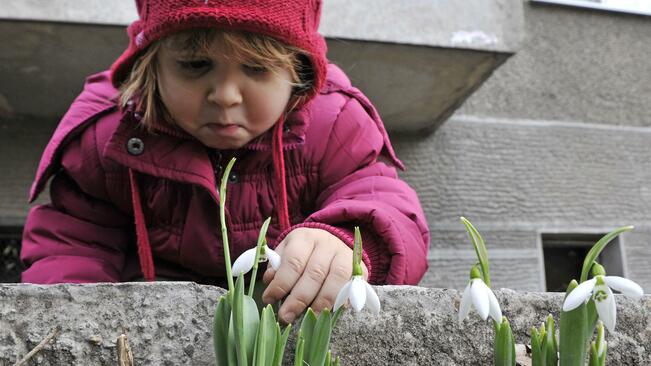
[(224, 103)]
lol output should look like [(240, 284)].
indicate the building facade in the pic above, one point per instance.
[(548, 154)]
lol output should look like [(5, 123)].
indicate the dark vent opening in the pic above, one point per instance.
[(564, 255), (10, 267)]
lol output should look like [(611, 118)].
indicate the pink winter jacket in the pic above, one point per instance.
[(339, 170)]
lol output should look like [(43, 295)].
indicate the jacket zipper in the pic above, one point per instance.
[(216, 158)]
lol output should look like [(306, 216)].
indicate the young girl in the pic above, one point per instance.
[(203, 81)]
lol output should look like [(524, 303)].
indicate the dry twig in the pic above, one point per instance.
[(39, 346), (125, 356)]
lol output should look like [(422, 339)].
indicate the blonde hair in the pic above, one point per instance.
[(241, 46)]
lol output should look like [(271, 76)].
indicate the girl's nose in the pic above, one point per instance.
[(225, 93)]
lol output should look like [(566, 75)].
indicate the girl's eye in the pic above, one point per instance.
[(255, 69), (195, 65)]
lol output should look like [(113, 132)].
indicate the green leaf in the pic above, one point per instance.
[(504, 350), (594, 357), (220, 331), (551, 345), (573, 335), (265, 346), (602, 359), (328, 358), (320, 342), (592, 316), (258, 248), (245, 321), (300, 348), (281, 342), (336, 361), (336, 316), (480, 250), (537, 354), (232, 345), (307, 328), (597, 248)]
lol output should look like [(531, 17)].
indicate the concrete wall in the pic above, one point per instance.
[(170, 324), (557, 140)]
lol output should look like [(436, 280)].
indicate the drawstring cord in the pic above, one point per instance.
[(144, 249), (279, 168)]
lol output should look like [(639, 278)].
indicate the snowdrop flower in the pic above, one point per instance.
[(481, 296), (357, 290), (599, 288), (244, 262), (360, 293)]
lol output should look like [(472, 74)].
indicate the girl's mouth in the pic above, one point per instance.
[(229, 129)]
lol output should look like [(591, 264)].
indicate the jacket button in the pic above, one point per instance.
[(135, 146), (233, 178)]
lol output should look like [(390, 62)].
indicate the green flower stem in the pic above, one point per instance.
[(262, 241), (597, 248), (480, 249), (222, 221), (357, 253), (598, 270)]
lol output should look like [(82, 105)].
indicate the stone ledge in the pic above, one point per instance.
[(169, 323)]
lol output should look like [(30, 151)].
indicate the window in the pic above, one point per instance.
[(10, 267), (641, 7), (564, 255)]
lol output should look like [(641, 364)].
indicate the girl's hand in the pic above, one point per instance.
[(315, 265)]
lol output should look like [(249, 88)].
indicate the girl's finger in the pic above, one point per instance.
[(296, 252), (339, 273), (309, 284), (268, 275)]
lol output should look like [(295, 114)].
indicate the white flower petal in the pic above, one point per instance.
[(494, 307), (624, 285), (464, 306), (479, 294), (606, 307), (357, 292), (342, 296), (274, 258), (243, 263), (372, 300), (579, 295)]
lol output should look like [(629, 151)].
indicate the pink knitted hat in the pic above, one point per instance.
[(294, 22)]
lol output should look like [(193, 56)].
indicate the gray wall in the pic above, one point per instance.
[(557, 140)]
